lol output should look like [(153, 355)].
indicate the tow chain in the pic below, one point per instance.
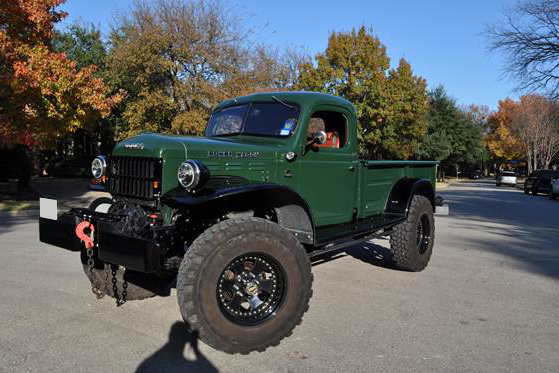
[(89, 246), (98, 292), (120, 300)]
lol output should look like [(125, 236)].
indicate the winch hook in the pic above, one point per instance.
[(84, 237)]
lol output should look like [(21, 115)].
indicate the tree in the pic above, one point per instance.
[(82, 44), (454, 136), (503, 137), (529, 38), (42, 93), (177, 59), (391, 104), (538, 129)]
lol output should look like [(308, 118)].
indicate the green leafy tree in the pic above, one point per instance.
[(391, 104), (454, 136), (84, 45)]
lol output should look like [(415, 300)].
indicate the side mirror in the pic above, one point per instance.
[(319, 137)]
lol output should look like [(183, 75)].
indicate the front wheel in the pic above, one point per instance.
[(412, 242), (244, 284), (552, 195)]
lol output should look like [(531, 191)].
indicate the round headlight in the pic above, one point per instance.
[(99, 167), (192, 174)]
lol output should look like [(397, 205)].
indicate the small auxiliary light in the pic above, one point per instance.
[(290, 156)]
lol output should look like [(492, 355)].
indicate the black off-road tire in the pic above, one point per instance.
[(205, 263), (551, 194), (407, 254)]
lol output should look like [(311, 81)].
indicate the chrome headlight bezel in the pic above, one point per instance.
[(99, 167), (198, 171)]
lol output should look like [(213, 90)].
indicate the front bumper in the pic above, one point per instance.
[(111, 246)]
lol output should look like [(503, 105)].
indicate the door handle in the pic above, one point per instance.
[(351, 168)]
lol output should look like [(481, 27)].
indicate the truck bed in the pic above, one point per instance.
[(376, 179)]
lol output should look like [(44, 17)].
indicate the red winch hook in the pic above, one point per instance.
[(86, 239)]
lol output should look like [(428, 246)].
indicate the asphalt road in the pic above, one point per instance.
[(488, 302)]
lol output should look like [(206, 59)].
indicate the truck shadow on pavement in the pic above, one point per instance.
[(170, 357), (7, 224), (506, 222), (367, 252)]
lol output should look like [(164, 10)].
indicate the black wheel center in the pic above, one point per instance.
[(423, 233), (250, 289)]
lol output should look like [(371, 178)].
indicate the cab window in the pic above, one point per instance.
[(333, 123)]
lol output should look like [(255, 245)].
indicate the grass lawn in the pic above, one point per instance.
[(11, 205)]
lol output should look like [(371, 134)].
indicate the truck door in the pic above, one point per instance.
[(329, 172)]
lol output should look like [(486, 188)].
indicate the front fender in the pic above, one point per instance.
[(292, 210)]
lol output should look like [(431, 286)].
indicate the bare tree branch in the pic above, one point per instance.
[(528, 38)]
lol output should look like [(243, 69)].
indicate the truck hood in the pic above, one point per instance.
[(191, 147)]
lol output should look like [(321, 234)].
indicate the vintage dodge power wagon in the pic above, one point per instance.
[(234, 218)]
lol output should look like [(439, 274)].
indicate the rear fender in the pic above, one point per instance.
[(401, 196)]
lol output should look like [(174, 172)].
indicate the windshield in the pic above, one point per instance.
[(262, 119)]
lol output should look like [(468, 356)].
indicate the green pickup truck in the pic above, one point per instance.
[(234, 218)]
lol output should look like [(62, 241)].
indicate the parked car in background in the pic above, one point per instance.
[(539, 181), (474, 174), (506, 178), (554, 189)]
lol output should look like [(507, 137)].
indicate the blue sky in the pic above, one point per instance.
[(441, 39)]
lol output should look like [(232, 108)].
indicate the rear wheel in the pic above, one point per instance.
[(535, 190), (551, 194), (412, 242), (244, 284)]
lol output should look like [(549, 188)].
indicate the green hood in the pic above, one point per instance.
[(191, 147), (248, 157)]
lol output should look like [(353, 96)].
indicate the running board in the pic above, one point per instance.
[(339, 236), (342, 245)]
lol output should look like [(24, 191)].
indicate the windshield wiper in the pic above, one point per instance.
[(283, 103)]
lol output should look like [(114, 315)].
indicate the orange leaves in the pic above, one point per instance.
[(502, 138), (44, 94)]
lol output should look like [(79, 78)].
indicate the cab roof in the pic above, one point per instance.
[(302, 99)]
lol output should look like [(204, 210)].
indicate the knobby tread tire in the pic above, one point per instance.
[(215, 243), (403, 245)]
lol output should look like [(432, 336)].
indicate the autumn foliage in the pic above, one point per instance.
[(391, 104), (42, 93), (525, 129)]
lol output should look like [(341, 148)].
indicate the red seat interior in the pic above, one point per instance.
[(332, 140)]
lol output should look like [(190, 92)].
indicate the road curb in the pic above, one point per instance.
[(20, 214)]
